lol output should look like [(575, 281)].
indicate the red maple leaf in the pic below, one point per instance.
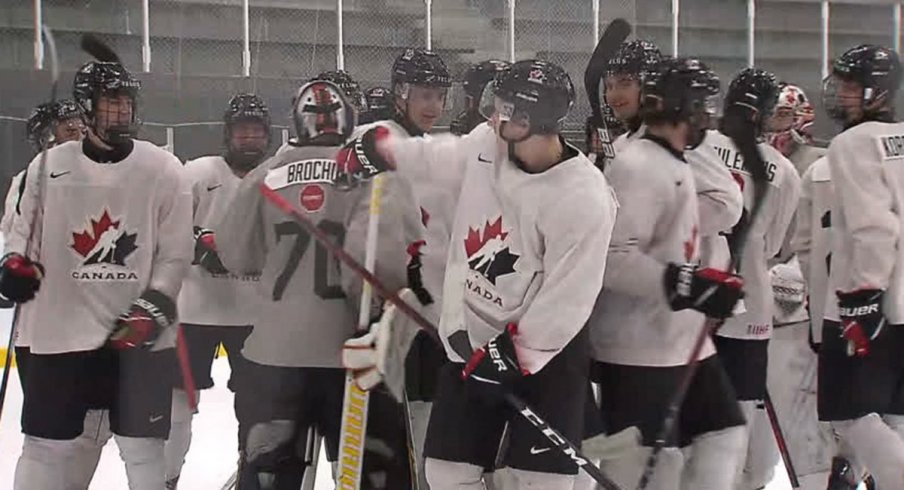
[(85, 241), (474, 242), (739, 178)]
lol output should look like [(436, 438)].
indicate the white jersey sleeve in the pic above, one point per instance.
[(9, 205), (720, 200)]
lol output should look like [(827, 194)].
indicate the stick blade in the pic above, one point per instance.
[(93, 45)]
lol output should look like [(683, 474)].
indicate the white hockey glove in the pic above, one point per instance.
[(379, 355)]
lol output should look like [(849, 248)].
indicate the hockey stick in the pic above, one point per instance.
[(38, 211), (781, 442), (560, 442), (616, 32), (739, 125), (356, 401)]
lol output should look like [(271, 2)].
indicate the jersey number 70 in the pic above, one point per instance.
[(321, 258)]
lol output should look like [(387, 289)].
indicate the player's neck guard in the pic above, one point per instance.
[(115, 154)]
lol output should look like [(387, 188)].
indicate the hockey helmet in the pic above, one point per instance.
[(876, 69), (682, 89), (245, 107), (537, 92), (479, 75), (417, 66), (349, 86), (379, 105), (102, 78), (322, 114), (756, 91), (635, 58), (39, 124)]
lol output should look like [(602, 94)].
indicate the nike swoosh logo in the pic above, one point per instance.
[(213, 187), (481, 159), (156, 419), (534, 450), (53, 175)]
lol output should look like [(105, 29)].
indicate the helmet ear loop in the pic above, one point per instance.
[(876, 103)]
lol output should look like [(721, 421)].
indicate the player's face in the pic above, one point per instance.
[(114, 111), (248, 136), (71, 129), (850, 99), (425, 105), (781, 120), (623, 96)]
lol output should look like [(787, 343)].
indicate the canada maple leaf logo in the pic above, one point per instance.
[(488, 253), (104, 242)]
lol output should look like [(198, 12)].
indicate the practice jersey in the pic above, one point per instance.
[(525, 248), (812, 238), (766, 235), (214, 299), (804, 155), (867, 167), (108, 231), (657, 224), (302, 317)]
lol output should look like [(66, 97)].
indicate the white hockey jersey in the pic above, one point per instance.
[(302, 318), (526, 248), (214, 299), (632, 322), (804, 155), (867, 167), (107, 232), (812, 238), (767, 233)]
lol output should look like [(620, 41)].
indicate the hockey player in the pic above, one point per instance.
[(379, 105), (743, 340), (520, 280), (293, 379), (215, 305), (113, 234), (641, 340), (474, 82), (791, 126), (860, 359)]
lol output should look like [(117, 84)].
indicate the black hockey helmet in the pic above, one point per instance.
[(755, 91), (537, 91), (349, 86), (322, 114), (38, 128), (479, 75), (379, 105), (245, 107), (635, 58), (876, 68), (98, 78), (417, 66), (682, 89)]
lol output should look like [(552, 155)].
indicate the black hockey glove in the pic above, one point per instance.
[(152, 312), (709, 291), (493, 368), (359, 160), (206, 252), (861, 318), (20, 277)]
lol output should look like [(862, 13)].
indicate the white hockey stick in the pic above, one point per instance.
[(356, 400)]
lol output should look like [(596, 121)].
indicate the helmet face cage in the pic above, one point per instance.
[(536, 92), (792, 103), (478, 77), (876, 69), (245, 108), (106, 79), (322, 114)]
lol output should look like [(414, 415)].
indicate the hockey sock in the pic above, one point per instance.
[(143, 457), (712, 460), (89, 445), (180, 434), (449, 475), (762, 450), (626, 466), (43, 464), (878, 447)]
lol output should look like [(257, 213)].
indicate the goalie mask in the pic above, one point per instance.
[(791, 124), (246, 131), (682, 90), (323, 115), (107, 94), (863, 85)]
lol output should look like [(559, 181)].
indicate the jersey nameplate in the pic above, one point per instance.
[(735, 161), (317, 170), (891, 147)]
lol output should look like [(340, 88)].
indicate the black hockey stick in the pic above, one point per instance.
[(560, 442), (39, 204), (739, 124), (616, 32), (781, 442)]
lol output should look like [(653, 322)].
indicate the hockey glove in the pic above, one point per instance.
[(861, 318), (20, 277), (359, 159), (494, 368), (206, 252), (146, 319), (709, 291)]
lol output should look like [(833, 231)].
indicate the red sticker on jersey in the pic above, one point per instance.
[(312, 198)]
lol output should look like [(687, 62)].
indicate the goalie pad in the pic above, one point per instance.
[(789, 293), (379, 355)]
